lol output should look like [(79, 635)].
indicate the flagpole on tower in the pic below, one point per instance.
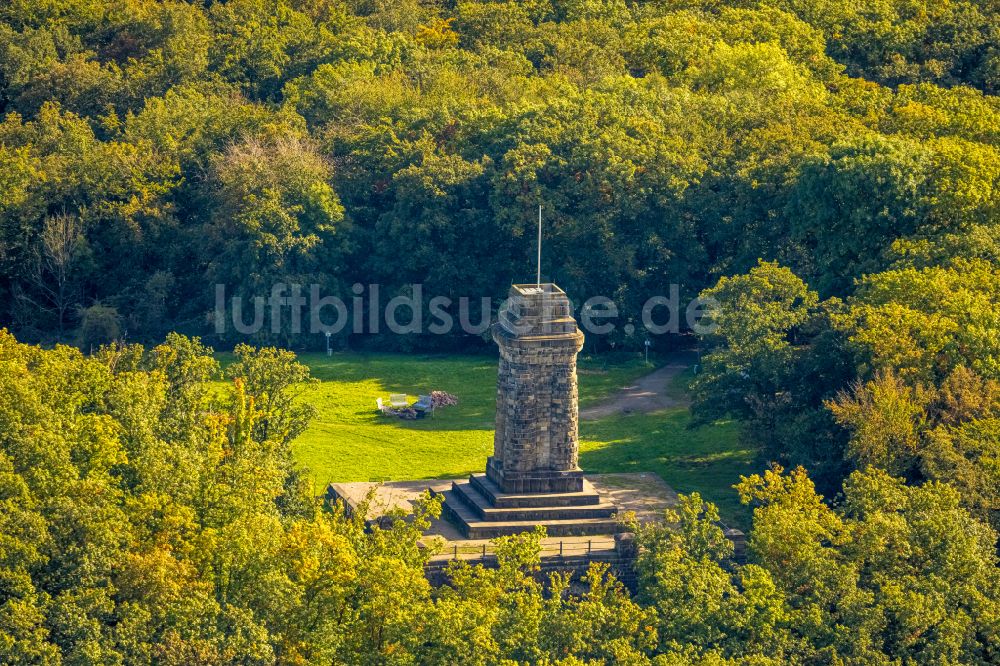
[(538, 275)]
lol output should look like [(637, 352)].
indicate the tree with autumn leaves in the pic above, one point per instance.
[(151, 516)]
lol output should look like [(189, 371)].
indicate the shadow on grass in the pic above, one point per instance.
[(350, 383), (396, 370), (351, 441), (708, 459)]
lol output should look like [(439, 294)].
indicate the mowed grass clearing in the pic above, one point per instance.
[(350, 441)]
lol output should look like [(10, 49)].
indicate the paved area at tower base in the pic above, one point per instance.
[(644, 494)]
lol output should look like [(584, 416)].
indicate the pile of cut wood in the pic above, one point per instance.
[(443, 399)]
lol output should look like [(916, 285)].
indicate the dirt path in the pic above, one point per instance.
[(649, 393)]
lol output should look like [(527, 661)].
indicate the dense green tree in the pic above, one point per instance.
[(889, 572), (826, 171), (773, 359), (925, 323), (275, 217), (404, 142), (148, 518), (73, 207), (947, 433)]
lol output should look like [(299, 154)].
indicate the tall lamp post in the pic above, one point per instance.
[(329, 350)]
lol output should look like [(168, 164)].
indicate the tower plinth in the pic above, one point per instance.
[(536, 446)]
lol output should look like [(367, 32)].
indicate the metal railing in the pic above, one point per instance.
[(560, 549)]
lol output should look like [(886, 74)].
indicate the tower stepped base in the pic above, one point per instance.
[(481, 511), (501, 500)]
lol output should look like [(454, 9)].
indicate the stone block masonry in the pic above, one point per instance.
[(536, 445), (533, 477)]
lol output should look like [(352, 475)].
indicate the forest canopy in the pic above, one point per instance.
[(150, 150), (150, 516), (827, 172)]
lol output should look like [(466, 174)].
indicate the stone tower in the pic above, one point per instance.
[(536, 446), (533, 477)]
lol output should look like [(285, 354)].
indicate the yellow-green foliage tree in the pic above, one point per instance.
[(151, 518), (888, 573)]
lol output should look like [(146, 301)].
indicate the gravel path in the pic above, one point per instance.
[(649, 393)]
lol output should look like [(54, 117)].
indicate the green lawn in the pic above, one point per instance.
[(707, 459), (350, 441)]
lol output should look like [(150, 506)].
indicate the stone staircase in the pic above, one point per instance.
[(481, 510)]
